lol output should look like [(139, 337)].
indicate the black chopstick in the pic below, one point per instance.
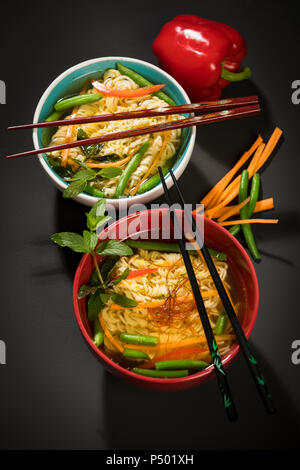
[(212, 345), (250, 359), (162, 111), (225, 115)]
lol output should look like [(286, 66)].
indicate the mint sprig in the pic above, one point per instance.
[(88, 243), (80, 179)]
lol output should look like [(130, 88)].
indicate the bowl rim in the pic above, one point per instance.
[(204, 374), (132, 199)]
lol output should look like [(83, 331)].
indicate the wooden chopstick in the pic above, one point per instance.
[(212, 345), (250, 359), (227, 114), (162, 111)]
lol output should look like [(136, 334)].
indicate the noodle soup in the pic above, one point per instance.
[(159, 327), (117, 154)]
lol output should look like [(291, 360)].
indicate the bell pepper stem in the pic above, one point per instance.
[(236, 76)]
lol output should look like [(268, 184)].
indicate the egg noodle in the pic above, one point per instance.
[(114, 80), (173, 322)]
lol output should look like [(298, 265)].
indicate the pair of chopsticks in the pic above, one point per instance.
[(215, 355), (223, 110)]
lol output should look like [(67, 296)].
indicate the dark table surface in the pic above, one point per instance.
[(54, 394)]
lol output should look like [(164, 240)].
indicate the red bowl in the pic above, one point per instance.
[(244, 279)]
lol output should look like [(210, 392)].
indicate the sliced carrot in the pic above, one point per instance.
[(141, 272), (70, 129), (260, 206), (232, 190), (217, 190), (105, 165), (256, 159), (103, 90), (154, 163), (264, 205), (271, 144), (250, 221), (178, 344), (259, 160), (181, 353), (158, 303), (109, 335), (68, 138), (232, 211)]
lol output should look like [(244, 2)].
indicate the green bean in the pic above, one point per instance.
[(133, 354), (142, 81), (247, 230), (130, 168), (162, 374), (98, 333), (218, 254), (152, 182), (221, 323), (93, 191), (234, 230), (139, 339), (76, 101), (170, 247), (55, 116), (254, 193), (181, 364)]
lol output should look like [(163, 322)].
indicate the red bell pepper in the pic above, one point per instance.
[(204, 56), (147, 90)]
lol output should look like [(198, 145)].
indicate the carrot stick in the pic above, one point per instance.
[(250, 221), (178, 344), (260, 206), (217, 190), (105, 165), (231, 192), (232, 210), (70, 129), (154, 163), (271, 144), (158, 303), (264, 205), (181, 353), (233, 188), (109, 335)]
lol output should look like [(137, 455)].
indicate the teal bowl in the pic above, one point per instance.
[(71, 81)]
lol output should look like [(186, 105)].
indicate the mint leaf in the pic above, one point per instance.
[(110, 172), (75, 188), (87, 175), (120, 278), (114, 247), (108, 266), (123, 301), (55, 163), (95, 305), (88, 150), (90, 240), (95, 217), (95, 222), (105, 297), (71, 240), (98, 209), (86, 290), (94, 280)]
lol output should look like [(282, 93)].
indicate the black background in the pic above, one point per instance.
[(53, 393)]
